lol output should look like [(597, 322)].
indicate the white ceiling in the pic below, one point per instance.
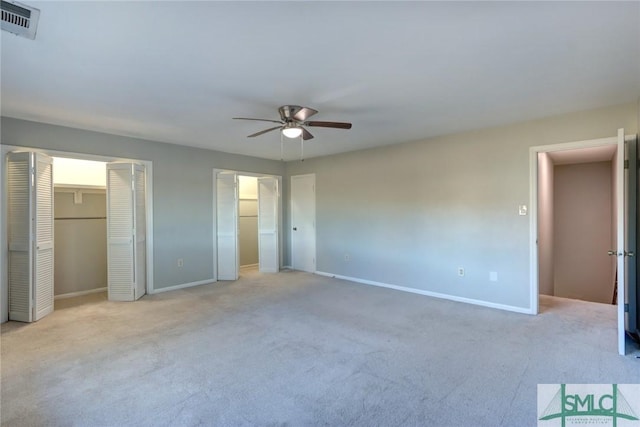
[(399, 71)]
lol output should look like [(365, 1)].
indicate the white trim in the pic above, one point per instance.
[(214, 219), (533, 231), (80, 293), (184, 285), (573, 145), (621, 238), (429, 293), (148, 172)]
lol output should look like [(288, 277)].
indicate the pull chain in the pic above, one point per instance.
[(281, 147)]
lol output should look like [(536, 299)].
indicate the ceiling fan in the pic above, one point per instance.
[(293, 118)]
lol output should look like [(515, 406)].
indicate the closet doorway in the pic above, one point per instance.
[(247, 217), (80, 227), (248, 221), (114, 191)]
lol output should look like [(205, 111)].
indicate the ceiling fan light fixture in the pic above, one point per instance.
[(292, 131)]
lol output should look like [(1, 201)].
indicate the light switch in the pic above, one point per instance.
[(77, 197), (522, 210)]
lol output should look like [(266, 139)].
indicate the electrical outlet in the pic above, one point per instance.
[(180, 262), (460, 271), (347, 257), (493, 276)]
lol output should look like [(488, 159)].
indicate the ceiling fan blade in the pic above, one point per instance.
[(264, 131), (337, 125), (259, 120), (303, 114), (306, 134)]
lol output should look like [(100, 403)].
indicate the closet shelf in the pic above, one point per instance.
[(82, 217)]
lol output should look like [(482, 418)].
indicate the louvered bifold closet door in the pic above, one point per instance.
[(43, 253), (268, 225), (140, 226), (120, 221), (227, 225), (19, 212)]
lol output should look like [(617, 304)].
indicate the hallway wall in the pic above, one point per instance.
[(583, 232), (248, 221)]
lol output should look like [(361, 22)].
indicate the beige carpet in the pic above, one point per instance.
[(296, 349)]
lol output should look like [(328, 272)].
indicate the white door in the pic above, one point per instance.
[(126, 232), (30, 215), (620, 236), (303, 222), (269, 261), (140, 231), (228, 254), (43, 233)]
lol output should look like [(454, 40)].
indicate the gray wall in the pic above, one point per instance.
[(411, 214), (80, 244), (248, 219), (248, 232), (583, 198), (408, 214), (182, 190)]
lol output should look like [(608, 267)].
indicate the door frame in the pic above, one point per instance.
[(265, 234), (4, 149), (315, 259), (533, 203), (215, 213)]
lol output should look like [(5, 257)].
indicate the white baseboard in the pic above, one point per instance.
[(80, 293), (182, 286), (287, 267), (430, 293)]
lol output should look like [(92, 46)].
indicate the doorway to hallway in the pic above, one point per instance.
[(542, 268)]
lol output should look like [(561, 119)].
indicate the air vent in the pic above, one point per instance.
[(19, 19)]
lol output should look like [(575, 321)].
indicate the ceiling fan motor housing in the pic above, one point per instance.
[(285, 112), (295, 116)]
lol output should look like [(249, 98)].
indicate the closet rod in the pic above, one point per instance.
[(82, 217)]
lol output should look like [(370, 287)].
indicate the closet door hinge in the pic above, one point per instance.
[(626, 308), (626, 164)]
